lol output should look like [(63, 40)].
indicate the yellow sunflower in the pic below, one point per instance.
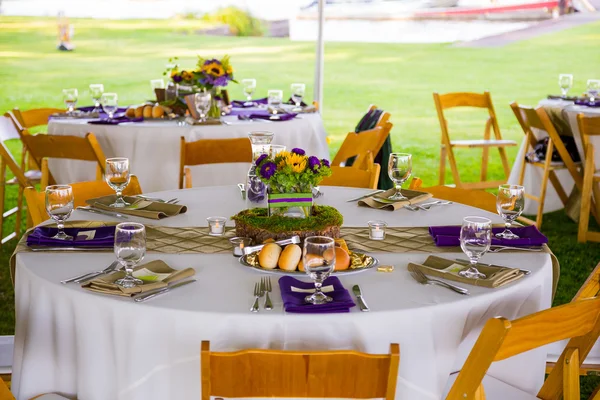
[(187, 76), (214, 69), (229, 70), (297, 162)]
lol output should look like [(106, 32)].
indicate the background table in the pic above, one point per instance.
[(154, 148), (101, 347)]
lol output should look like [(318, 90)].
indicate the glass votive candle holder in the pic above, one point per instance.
[(238, 245), (216, 226), (377, 230)]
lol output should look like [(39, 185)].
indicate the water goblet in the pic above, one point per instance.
[(318, 257), (298, 90), (475, 241), (96, 91), (399, 170), (202, 101), (59, 206), (510, 202), (249, 86), (593, 87), (70, 99), (130, 249), (565, 81), (117, 177), (274, 99), (110, 104)]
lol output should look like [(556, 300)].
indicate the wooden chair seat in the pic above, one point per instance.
[(497, 390), (482, 143), (34, 175)]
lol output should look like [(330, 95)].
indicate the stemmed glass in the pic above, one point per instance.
[(318, 257), (202, 103), (475, 241), (96, 90), (59, 206), (130, 249), (565, 81), (110, 104), (509, 203), (249, 86), (274, 99), (70, 99), (399, 170), (298, 90), (117, 177), (593, 87)]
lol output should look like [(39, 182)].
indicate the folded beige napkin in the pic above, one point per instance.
[(138, 207), (155, 274), (414, 197), (307, 109), (447, 269)]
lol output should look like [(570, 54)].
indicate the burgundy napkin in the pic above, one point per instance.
[(115, 121), (242, 103), (104, 237), (264, 114), (585, 102), (528, 236), (293, 302)]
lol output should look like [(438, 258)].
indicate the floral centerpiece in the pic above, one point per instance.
[(291, 177)]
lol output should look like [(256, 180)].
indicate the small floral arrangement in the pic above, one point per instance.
[(292, 172), (209, 73)]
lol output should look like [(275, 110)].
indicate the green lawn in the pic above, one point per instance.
[(125, 55)]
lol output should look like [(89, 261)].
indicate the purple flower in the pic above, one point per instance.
[(298, 151), (177, 78), (313, 163), (325, 163), (268, 169), (260, 159)]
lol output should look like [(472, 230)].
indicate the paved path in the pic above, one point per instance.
[(541, 28)]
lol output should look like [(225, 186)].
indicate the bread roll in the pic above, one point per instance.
[(157, 112), (342, 259), (269, 255), (290, 257), (130, 113), (139, 112), (147, 112)]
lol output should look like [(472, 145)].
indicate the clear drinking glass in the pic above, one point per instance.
[(261, 143), (298, 90), (117, 177), (96, 90), (399, 170), (318, 257), (565, 81), (593, 87), (509, 203), (475, 241), (130, 249), (249, 86), (110, 104), (274, 98), (59, 206), (202, 101), (275, 149), (70, 99)]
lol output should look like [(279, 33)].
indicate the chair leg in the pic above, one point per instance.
[(558, 187), (18, 216), (2, 195), (454, 168), (544, 187), (504, 159), (586, 197), (484, 163), (443, 152)]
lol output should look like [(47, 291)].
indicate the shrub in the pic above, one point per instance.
[(240, 22)]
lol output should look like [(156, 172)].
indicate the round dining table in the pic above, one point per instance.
[(97, 347)]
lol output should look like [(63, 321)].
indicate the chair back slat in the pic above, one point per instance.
[(475, 198), (354, 177), (463, 99), (59, 146), (591, 287), (217, 151), (360, 144), (530, 122), (35, 117), (589, 126)]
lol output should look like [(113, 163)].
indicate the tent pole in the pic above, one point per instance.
[(320, 60)]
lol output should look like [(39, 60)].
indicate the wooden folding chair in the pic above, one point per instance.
[(304, 374), (477, 100), (355, 177), (535, 129), (589, 127), (501, 339), (359, 145), (82, 191), (211, 151)]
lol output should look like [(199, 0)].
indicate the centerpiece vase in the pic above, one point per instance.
[(293, 205), (256, 189), (215, 110)]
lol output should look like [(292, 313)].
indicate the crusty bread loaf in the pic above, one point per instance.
[(147, 112), (269, 255), (158, 112), (130, 113), (139, 112), (290, 257)]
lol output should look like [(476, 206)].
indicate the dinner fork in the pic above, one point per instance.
[(254, 307), (91, 275), (425, 280), (265, 286), (496, 249)]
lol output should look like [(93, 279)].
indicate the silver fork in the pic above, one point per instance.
[(425, 280), (265, 286), (496, 249), (254, 307), (91, 275)]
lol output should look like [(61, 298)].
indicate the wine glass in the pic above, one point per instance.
[(318, 257), (274, 99), (59, 206), (117, 177), (475, 241), (565, 81), (70, 99), (96, 90), (509, 203), (399, 170), (202, 102), (130, 249), (249, 86), (110, 104), (298, 90), (593, 87)]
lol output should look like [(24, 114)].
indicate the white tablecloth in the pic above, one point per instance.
[(154, 148), (533, 175), (99, 347)]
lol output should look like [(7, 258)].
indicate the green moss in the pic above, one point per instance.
[(322, 217)]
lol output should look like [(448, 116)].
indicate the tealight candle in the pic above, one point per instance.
[(216, 225), (377, 230), (238, 245)]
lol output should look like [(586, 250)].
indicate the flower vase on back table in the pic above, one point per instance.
[(256, 189)]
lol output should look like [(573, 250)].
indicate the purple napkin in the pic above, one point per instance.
[(115, 121), (293, 302), (242, 103), (528, 236), (264, 114), (582, 102), (91, 108), (42, 236)]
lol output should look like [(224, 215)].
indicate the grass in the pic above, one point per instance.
[(125, 55)]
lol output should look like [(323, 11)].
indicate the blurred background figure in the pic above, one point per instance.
[(65, 33)]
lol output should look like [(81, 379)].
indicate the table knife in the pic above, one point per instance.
[(467, 262), (158, 292), (97, 211), (365, 196), (361, 301)]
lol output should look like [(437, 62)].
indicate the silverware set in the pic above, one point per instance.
[(498, 248), (420, 277), (262, 288), (158, 200), (362, 304), (466, 263), (91, 275), (413, 207)]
